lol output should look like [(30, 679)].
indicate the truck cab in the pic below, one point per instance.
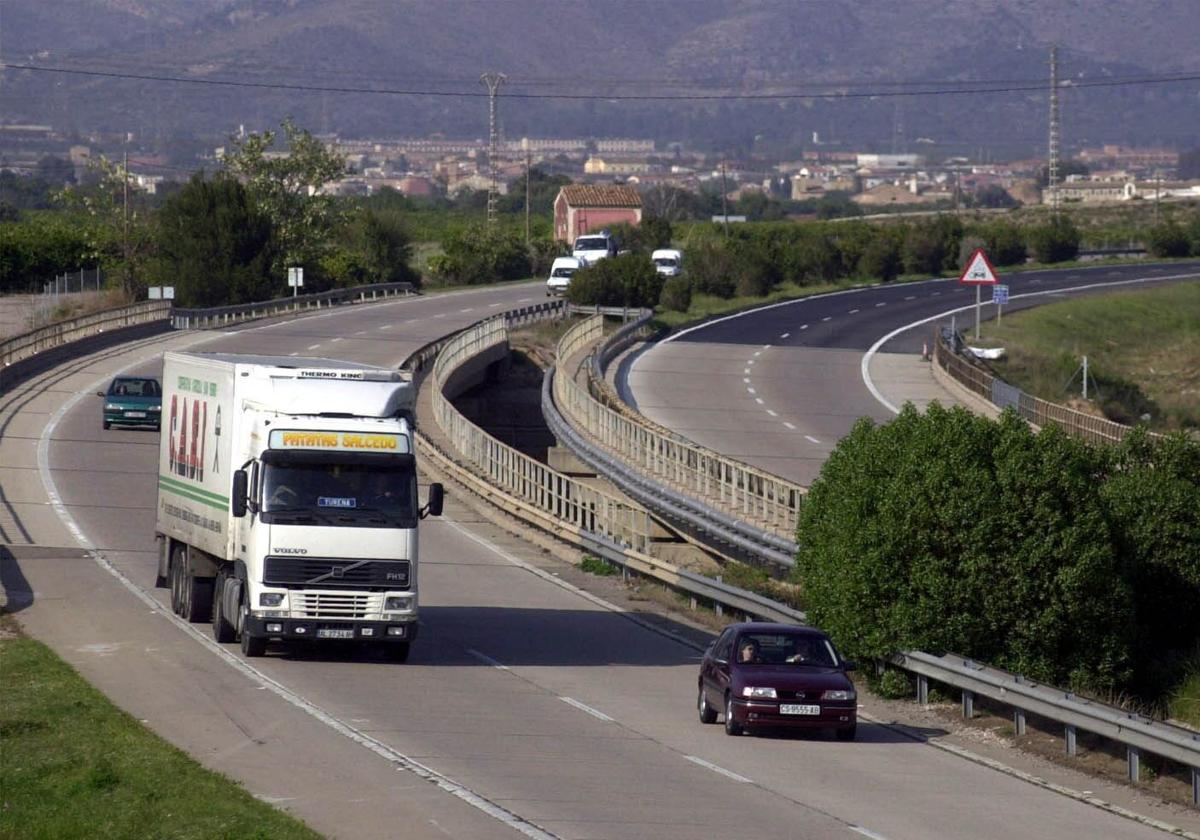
[(593, 247)]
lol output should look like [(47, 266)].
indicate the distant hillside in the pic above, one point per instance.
[(605, 48)]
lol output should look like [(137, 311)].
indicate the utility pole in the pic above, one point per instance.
[(125, 220), (1052, 168), (528, 156), (724, 199), (492, 81)]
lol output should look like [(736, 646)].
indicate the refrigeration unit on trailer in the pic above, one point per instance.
[(287, 499)]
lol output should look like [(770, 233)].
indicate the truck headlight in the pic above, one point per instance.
[(760, 693), (270, 599), (839, 694), (398, 603)]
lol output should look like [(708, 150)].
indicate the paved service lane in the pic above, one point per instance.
[(778, 386), (545, 703)]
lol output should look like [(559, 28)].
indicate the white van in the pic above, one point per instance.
[(667, 261), (560, 274), (593, 247)]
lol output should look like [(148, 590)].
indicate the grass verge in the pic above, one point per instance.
[(1141, 347), (74, 765)]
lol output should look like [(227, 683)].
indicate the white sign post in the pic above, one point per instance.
[(979, 272), (295, 279)]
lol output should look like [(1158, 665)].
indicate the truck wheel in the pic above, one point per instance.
[(198, 598), (223, 630), (397, 651), (253, 645), (175, 575)]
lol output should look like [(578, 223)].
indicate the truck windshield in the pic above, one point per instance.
[(562, 272), (591, 243), (376, 494), (666, 262)]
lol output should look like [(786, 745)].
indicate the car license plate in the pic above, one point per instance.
[(335, 632), (798, 709), (135, 414)]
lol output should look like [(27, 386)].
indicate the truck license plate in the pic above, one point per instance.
[(797, 709), (335, 632), (135, 414)]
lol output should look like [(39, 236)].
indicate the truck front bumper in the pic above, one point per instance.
[(332, 630)]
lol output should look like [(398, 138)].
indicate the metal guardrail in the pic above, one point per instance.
[(1030, 408), (29, 344), (220, 316), (767, 502), (1136, 732)]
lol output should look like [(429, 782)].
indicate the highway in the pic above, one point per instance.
[(526, 706), (778, 387)]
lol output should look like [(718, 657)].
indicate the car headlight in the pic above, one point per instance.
[(156, 408), (839, 694), (270, 599), (111, 407), (759, 692), (398, 603)]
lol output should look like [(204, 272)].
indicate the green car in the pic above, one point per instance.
[(132, 401)]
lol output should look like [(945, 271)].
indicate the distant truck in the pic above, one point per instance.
[(593, 247), (560, 274), (287, 500), (667, 261)]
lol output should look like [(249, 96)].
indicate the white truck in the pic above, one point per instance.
[(590, 248), (287, 500)]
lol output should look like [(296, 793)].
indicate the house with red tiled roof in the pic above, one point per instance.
[(582, 208)]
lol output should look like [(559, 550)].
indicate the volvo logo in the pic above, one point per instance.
[(291, 551)]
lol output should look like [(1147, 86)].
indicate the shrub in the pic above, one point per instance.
[(711, 267), (881, 258), (480, 254), (623, 280), (676, 294), (1055, 242), (1004, 244), (1167, 240)]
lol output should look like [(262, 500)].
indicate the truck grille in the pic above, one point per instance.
[(336, 573), (335, 605)]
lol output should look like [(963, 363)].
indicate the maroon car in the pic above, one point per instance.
[(764, 675)]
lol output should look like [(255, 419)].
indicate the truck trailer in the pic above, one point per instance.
[(287, 500)]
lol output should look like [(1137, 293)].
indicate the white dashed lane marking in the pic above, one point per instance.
[(583, 707), (827, 318), (811, 439), (789, 425), (772, 413), (853, 311), (881, 303), (708, 765), (758, 400), (785, 335), (804, 326), (751, 391), (313, 346)]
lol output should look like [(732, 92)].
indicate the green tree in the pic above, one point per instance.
[(34, 249), (215, 245), (992, 196), (288, 188), (481, 254), (543, 189), (676, 294), (881, 259), (1004, 244), (947, 531), (372, 247)]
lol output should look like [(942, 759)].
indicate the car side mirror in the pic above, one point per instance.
[(101, 394), (238, 501), (434, 506), (848, 666)]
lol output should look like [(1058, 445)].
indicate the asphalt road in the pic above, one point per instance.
[(778, 387), (527, 703)]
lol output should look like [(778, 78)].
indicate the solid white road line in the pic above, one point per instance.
[(708, 765), (583, 707), (865, 366)]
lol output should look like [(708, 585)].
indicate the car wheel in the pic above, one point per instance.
[(107, 425), (731, 728), (707, 713), (847, 733), (223, 629)]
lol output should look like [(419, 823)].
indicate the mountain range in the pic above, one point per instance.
[(892, 75)]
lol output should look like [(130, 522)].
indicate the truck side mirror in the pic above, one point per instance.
[(434, 506), (240, 483)]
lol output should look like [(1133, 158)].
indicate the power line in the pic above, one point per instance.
[(981, 87)]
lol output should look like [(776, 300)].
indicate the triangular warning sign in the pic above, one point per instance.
[(978, 271)]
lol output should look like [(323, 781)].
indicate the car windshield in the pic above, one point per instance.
[(336, 493), (785, 649), (135, 388), (591, 243), (666, 261)]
